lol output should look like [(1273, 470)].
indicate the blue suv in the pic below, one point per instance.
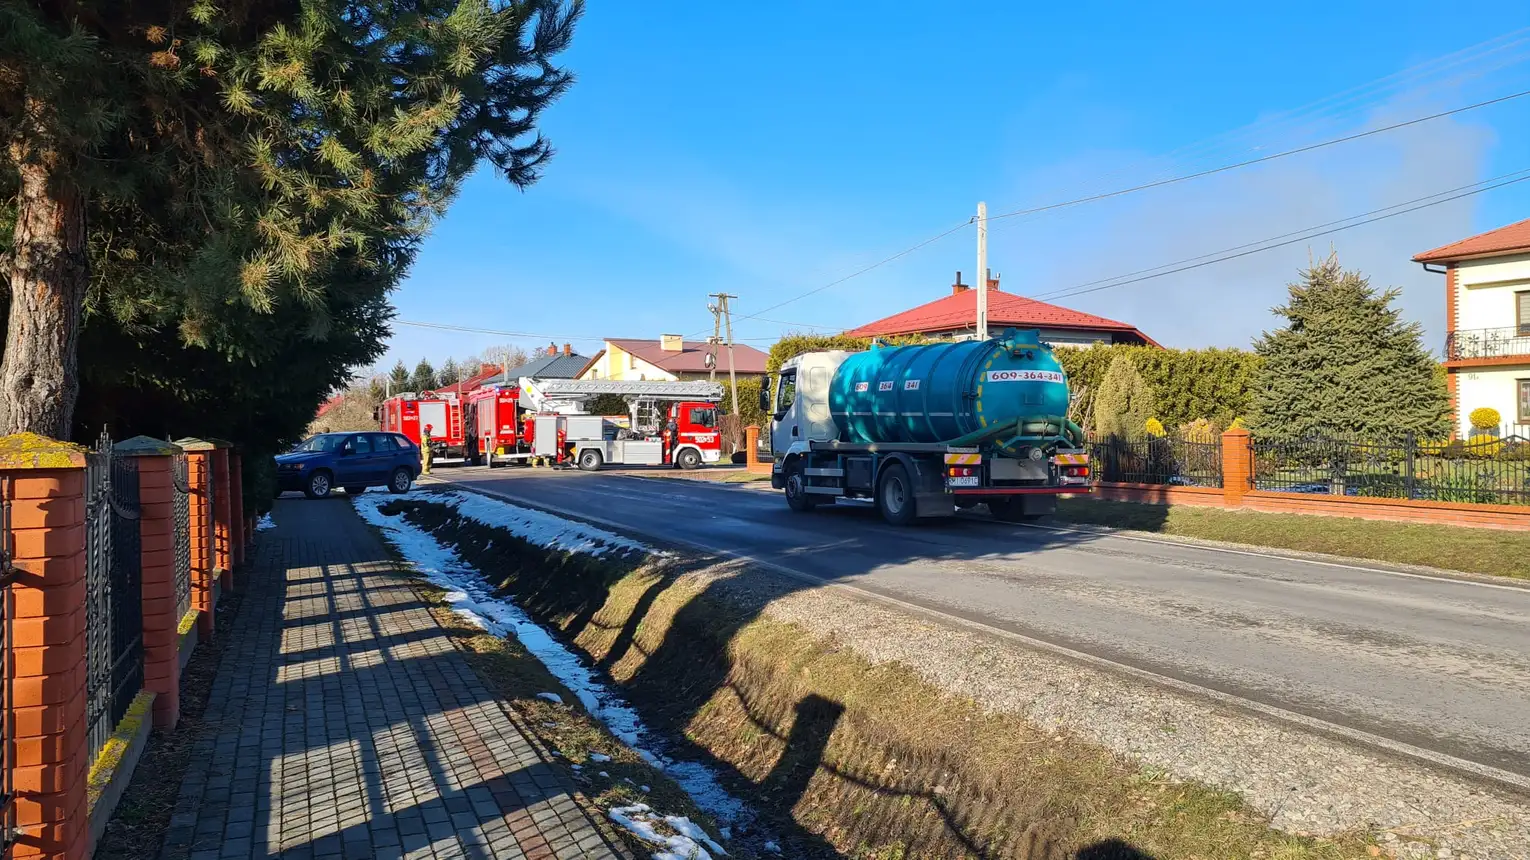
[(354, 461)]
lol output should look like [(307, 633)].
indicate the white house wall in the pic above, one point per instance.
[(1494, 387), (1486, 291)]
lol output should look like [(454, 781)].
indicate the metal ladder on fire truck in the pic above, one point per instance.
[(569, 396)]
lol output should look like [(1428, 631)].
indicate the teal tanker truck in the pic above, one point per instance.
[(927, 430)]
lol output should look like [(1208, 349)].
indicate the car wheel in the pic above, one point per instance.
[(690, 458), (895, 496), (400, 480), (318, 485), (590, 460), (797, 496), (355, 491)]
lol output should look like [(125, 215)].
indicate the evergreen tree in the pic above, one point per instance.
[(423, 378), (1124, 402), (449, 374), (1346, 364), (178, 168), (398, 377)]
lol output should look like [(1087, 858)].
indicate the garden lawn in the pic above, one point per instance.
[(1494, 552)]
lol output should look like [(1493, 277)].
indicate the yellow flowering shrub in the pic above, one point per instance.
[(1485, 417), (1154, 427), (1483, 445)]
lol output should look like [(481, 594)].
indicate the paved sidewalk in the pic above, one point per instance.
[(344, 724)]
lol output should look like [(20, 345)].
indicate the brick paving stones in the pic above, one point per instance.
[(344, 724)]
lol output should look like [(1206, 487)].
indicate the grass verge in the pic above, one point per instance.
[(1493, 552), (847, 758), (137, 828)]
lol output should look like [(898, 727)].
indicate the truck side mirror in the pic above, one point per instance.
[(765, 396)]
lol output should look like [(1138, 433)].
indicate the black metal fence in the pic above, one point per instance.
[(180, 501), (114, 591), (1157, 460), (1489, 468)]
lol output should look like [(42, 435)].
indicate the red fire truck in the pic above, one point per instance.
[(410, 414), (494, 417), (669, 423)]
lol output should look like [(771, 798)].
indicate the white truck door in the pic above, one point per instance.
[(783, 428)]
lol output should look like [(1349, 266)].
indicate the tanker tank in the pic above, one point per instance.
[(1009, 392)]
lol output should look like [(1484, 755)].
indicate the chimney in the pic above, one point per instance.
[(958, 288), (568, 349), (993, 282), (671, 343), (552, 349)]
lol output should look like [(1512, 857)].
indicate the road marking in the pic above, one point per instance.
[(1279, 714)]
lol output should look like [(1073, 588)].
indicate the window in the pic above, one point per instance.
[(403, 442), (786, 391), (631, 361), (1524, 400), (382, 443), (1522, 312), (360, 444), (703, 417)]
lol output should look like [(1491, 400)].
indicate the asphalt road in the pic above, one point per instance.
[(1431, 666)]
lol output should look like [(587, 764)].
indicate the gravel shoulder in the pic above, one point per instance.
[(1306, 784)]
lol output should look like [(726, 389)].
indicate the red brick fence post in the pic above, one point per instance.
[(1237, 466), (43, 484), (156, 530), (199, 477), (237, 521)]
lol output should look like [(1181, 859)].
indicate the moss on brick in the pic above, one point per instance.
[(31, 451)]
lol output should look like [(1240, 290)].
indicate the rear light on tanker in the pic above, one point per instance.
[(961, 472), (1077, 471)]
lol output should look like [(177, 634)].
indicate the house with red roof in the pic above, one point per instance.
[(670, 359), (955, 316), (1487, 323)]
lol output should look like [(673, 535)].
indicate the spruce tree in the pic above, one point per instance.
[(449, 374), (423, 378), (398, 377), (1124, 402), (177, 168), (1346, 364)]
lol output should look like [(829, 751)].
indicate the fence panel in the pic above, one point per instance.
[(114, 591), (180, 478), (1489, 468), (1157, 460)]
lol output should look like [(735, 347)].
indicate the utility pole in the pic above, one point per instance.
[(714, 340), (982, 272), (722, 302)]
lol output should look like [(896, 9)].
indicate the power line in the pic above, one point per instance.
[(1286, 235), (1310, 233), (497, 332), (1261, 160)]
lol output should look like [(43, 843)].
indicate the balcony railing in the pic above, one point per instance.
[(1508, 342)]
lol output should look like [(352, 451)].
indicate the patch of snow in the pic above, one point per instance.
[(576, 767), (599, 758), (540, 528), (773, 847), (551, 697), (645, 789), (639, 820), (467, 594), (265, 522)]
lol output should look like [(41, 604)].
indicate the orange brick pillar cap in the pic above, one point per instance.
[(146, 446), (31, 451), (194, 444)]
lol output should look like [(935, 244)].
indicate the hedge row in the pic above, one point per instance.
[(1187, 384)]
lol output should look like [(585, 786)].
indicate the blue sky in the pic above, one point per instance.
[(768, 149)]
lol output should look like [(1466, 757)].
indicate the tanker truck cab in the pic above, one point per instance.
[(923, 431)]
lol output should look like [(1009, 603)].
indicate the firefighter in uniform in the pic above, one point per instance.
[(672, 435), (425, 450)]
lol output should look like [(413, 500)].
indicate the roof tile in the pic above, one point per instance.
[(1004, 309), (692, 359), (1514, 237)]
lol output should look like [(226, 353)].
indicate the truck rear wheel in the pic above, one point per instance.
[(590, 460), (895, 496), (688, 458), (797, 496)]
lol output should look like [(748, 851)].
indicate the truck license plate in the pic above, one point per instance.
[(962, 482)]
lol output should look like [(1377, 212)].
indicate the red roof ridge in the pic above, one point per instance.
[(1506, 239), (1004, 309)]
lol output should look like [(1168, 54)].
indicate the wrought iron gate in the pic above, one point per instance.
[(113, 590)]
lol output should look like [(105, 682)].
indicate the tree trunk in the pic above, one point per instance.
[(49, 274)]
